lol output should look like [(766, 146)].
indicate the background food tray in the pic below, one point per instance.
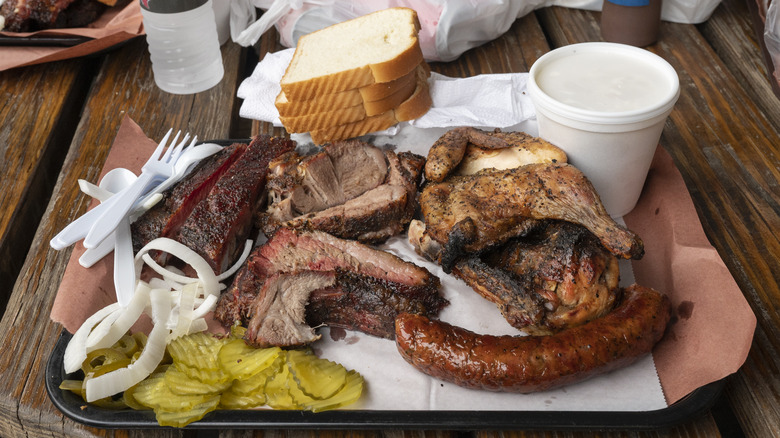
[(696, 403)]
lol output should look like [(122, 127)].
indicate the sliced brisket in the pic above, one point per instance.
[(370, 287)]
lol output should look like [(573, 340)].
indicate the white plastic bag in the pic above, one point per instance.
[(449, 27)]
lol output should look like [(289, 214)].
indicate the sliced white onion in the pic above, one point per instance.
[(185, 254), (166, 272), (102, 329), (232, 270), (198, 325), (119, 380), (127, 317), (178, 306), (205, 307), (180, 325), (76, 351)]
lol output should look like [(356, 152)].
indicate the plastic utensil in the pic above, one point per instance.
[(188, 159), (113, 181), (191, 156), (159, 167), (79, 228)]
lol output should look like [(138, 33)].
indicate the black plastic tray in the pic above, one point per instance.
[(693, 405)]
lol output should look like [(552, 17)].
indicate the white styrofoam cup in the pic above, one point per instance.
[(614, 149)]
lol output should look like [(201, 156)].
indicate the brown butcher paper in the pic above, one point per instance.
[(115, 26)]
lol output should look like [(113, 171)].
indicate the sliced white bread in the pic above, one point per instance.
[(375, 97), (340, 116), (374, 48), (417, 105)]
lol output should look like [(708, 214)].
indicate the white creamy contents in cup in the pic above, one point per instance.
[(603, 82)]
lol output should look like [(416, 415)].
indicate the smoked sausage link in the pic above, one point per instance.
[(526, 364)]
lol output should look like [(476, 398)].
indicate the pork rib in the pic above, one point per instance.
[(211, 210)]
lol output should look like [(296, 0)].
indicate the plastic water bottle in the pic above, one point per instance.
[(183, 44)]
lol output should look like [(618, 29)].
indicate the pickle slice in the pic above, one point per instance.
[(209, 376), (277, 391), (154, 393), (197, 350), (349, 394), (318, 378), (258, 381), (129, 399), (183, 418), (241, 361), (183, 384), (233, 400)]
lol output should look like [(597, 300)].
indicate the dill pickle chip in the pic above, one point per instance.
[(197, 350), (257, 382), (154, 393), (185, 417), (209, 376), (149, 390), (241, 361), (347, 395), (129, 398), (182, 384), (277, 391), (233, 400), (318, 378)]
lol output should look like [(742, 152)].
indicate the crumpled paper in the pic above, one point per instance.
[(115, 26), (495, 100)]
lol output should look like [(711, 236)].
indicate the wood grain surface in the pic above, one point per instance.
[(58, 120)]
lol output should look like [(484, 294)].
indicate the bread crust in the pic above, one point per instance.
[(376, 98), (415, 106), (401, 64)]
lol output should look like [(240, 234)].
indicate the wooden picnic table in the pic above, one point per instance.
[(59, 119)]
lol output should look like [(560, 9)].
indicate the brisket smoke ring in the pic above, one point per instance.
[(211, 210)]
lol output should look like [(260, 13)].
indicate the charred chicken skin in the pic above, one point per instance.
[(466, 150), (469, 214), (557, 277)]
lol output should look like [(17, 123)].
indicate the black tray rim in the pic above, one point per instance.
[(691, 406), (46, 40)]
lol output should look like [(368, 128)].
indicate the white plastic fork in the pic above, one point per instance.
[(191, 156), (159, 167), (80, 227)]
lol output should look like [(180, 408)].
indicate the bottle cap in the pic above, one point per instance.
[(171, 6), (630, 2)]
